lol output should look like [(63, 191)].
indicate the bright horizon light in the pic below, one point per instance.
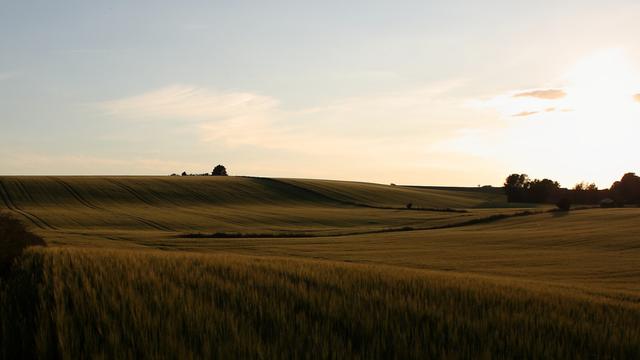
[(578, 129)]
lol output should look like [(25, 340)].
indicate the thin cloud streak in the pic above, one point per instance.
[(525, 113), (189, 103), (549, 94)]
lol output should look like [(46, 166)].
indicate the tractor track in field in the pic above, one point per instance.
[(141, 198), (25, 191), (311, 192), (11, 205), (131, 191), (76, 195), (135, 194), (90, 205), (351, 203), (182, 187), (153, 224)]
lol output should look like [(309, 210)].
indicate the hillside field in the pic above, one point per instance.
[(281, 268)]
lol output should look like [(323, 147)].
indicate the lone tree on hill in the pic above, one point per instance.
[(219, 170)]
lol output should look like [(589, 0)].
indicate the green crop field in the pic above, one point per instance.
[(289, 268)]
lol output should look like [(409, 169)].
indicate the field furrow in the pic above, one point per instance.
[(37, 221)]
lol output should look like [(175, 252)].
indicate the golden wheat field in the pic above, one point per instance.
[(240, 267)]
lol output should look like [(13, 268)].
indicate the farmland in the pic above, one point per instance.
[(258, 267)]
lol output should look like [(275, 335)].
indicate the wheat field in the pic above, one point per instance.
[(194, 267), (123, 304)]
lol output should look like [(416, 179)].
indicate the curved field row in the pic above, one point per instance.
[(7, 200), (94, 192), (221, 204), (398, 196)]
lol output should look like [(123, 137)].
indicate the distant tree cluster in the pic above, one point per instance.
[(219, 170), (627, 190), (586, 193), (519, 188)]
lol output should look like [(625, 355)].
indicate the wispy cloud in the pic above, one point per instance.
[(636, 97), (385, 126), (525, 103), (548, 94), (525, 113), (189, 103)]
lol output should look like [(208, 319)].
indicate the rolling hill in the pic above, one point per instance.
[(332, 220), (185, 191), (282, 268), (63, 208)]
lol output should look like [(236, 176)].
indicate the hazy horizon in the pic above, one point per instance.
[(410, 92)]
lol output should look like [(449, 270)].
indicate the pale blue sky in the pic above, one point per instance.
[(385, 91)]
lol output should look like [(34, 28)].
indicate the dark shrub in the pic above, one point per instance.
[(608, 203), (14, 238), (564, 204)]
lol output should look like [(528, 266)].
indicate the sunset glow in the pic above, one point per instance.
[(433, 96), (587, 118)]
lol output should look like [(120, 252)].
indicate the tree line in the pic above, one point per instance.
[(520, 188), (219, 170)]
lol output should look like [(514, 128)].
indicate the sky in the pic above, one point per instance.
[(411, 92)]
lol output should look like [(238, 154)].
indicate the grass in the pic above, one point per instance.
[(122, 304), (282, 268)]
